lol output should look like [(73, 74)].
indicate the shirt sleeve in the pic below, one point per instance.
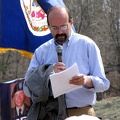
[(97, 73)]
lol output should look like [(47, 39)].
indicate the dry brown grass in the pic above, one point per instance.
[(108, 109)]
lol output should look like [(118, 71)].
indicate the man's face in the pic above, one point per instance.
[(19, 98), (60, 26)]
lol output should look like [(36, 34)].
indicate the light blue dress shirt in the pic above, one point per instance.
[(82, 50)]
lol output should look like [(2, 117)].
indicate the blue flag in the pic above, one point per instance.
[(23, 24)]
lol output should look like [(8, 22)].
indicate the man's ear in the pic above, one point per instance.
[(71, 21)]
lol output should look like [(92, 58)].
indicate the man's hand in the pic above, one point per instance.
[(81, 79), (58, 67)]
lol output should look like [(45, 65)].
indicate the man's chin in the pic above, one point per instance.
[(60, 42)]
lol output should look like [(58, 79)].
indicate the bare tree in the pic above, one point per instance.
[(114, 17)]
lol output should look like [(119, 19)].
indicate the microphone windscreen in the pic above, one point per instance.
[(59, 48)]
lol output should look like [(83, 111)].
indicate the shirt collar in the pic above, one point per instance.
[(70, 38), (22, 108)]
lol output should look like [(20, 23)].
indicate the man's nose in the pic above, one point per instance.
[(59, 31)]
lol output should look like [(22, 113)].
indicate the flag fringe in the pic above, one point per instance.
[(23, 52)]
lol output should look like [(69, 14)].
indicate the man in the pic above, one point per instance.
[(21, 109), (76, 48)]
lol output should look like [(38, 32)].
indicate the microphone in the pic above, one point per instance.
[(59, 49)]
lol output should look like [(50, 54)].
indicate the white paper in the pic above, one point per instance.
[(60, 81)]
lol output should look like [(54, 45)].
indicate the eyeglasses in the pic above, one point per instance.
[(63, 27)]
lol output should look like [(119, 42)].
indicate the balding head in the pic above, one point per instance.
[(58, 12)]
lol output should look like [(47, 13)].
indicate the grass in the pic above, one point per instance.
[(108, 109)]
